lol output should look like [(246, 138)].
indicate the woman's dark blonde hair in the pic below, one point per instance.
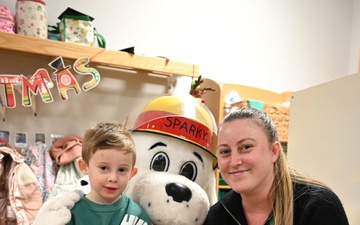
[(282, 191), (106, 135)]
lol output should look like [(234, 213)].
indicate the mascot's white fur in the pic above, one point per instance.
[(175, 183), (179, 192)]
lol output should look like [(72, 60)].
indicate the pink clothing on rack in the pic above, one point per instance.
[(66, 149)]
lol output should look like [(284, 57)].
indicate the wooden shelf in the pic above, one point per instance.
[(219, 186), (224, 187), (111, 58)]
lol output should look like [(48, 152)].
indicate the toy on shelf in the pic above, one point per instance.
[(197, 89)]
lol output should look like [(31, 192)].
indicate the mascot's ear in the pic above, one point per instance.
[(84, 184)]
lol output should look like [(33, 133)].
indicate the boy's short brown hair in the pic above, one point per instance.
[(106, 135)]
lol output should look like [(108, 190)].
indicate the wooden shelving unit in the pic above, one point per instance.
[(111, 58), (220, 187)]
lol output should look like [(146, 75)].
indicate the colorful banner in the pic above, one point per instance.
[(41, 83)]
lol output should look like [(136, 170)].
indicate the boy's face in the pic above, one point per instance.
[(109, 171)]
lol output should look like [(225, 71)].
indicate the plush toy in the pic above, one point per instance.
[(175, 182), (197, 90)]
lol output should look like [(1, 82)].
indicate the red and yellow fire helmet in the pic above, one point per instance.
[(181, 117)]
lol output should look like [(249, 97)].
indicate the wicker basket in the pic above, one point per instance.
[(277, 112)]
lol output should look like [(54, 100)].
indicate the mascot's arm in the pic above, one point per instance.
[(56, 211)]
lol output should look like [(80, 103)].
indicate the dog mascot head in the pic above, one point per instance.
[(176, 181)]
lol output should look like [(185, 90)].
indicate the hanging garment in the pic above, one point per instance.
[(20, 196), (66, 151), (66, 178), (44, 168)]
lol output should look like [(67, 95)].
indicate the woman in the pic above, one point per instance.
[(265, 190)]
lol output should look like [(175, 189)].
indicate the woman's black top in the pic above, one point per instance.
[(313, 205)]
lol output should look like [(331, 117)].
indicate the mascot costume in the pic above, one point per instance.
[(175, 183)]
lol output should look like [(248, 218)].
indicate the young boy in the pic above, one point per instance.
[(108, 158)]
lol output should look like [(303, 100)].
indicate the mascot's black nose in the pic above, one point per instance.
[(178, 192)]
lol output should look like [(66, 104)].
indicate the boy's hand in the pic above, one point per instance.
[(56, 211)]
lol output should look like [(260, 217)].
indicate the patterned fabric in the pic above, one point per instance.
[(77, 31), (44, 168), (7, 20), (31, 18)]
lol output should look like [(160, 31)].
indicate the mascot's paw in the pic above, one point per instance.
[(56, 211)]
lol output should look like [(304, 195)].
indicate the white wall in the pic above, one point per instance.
[(273, 44), (324, 138), (355, 39)]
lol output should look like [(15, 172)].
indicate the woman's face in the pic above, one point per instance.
[(246, 157)]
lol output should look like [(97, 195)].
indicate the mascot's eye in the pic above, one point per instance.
[(189, 170), (160, 162)]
